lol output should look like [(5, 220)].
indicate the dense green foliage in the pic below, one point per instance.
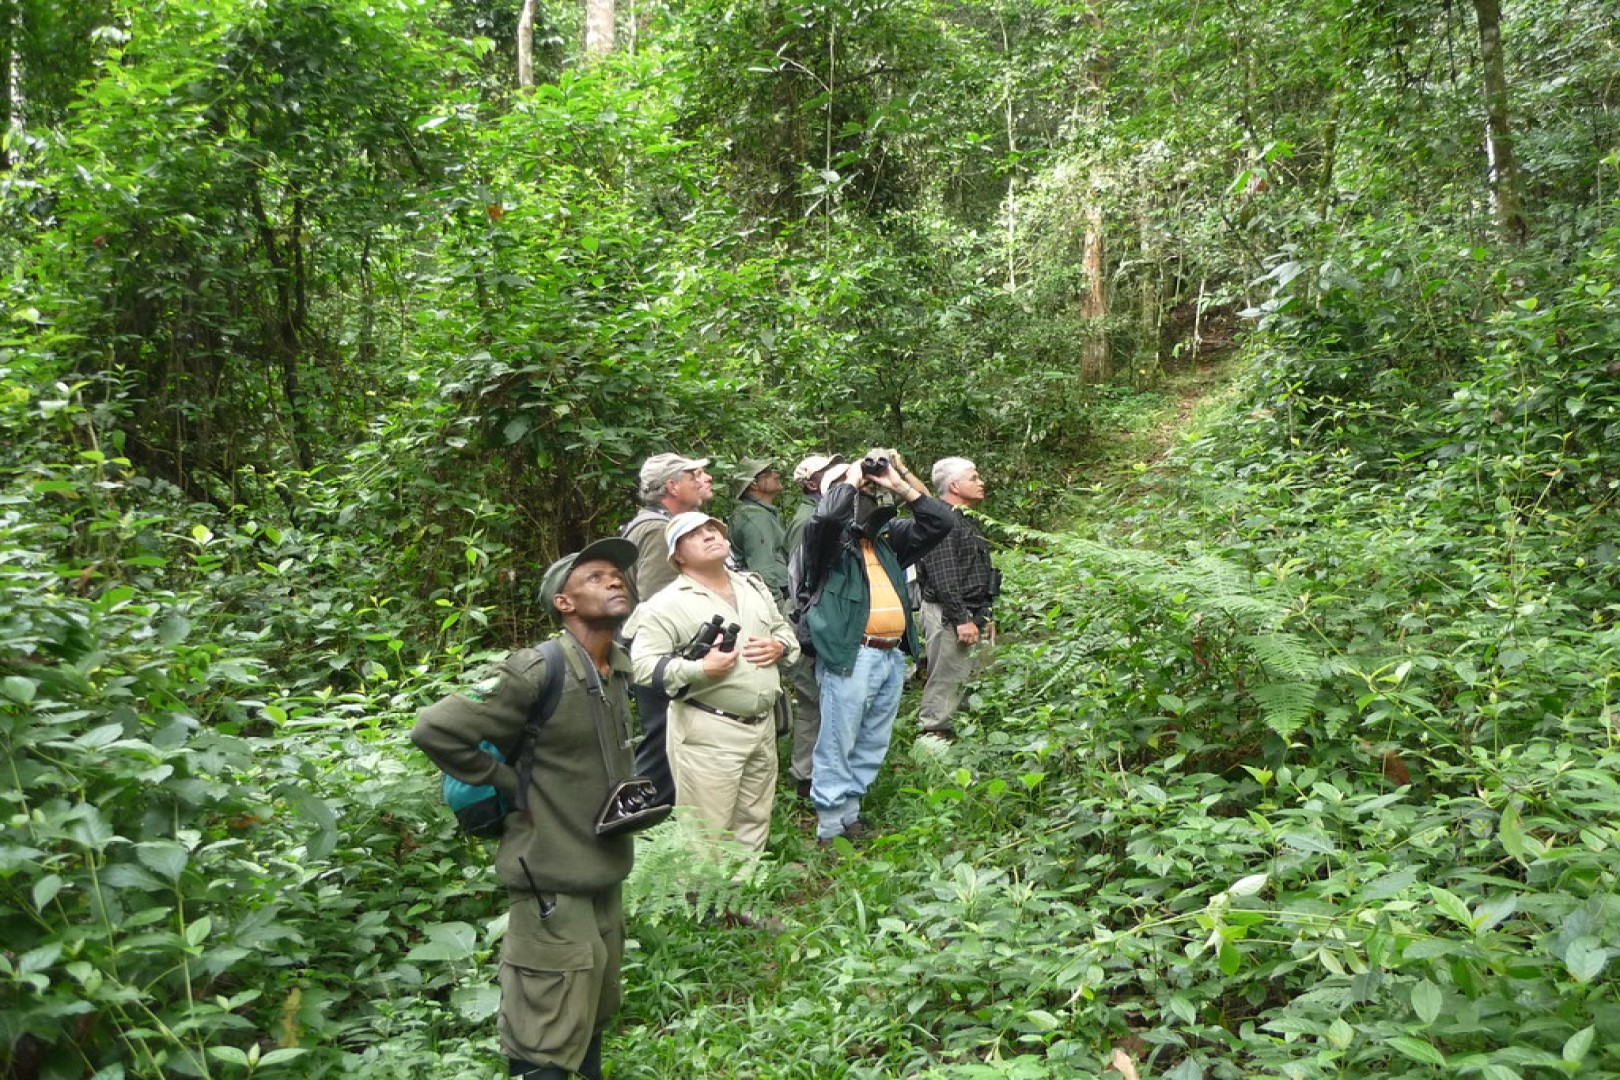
[(317, 335)]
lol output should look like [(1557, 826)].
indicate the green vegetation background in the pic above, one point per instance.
[(1298, 757)]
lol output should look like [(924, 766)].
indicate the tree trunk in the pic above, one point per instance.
[(525, 44), (1503, 165), (1096, 352), (598, 27), (8, 74), (1151, 299)]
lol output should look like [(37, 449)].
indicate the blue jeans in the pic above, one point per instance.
[(857, 716)]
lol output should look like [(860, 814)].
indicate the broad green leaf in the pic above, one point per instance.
[(1426, 1001), (18, 689), (1417, 1050), (287, 1053), (1230, 959), (446, 941), (197, 931), (45, 890), (1248, 886), (165, 858), (1576, 1047), (1451, 907), (1585, 958), (476, 1003)]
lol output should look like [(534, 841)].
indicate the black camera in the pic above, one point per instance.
[(631, 805), (874, 465)]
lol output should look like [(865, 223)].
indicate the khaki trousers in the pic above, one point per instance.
[(725, 771), (950, 664)]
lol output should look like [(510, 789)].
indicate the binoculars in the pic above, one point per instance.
[(714, 634), (874, 466)]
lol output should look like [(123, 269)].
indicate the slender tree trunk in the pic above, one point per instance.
[(8, 74), (1096, 351), (1504, 166), (1151, 296), (287, 326), (525, 44), (598, 27)]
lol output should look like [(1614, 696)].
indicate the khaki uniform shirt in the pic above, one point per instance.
[(668, 621)]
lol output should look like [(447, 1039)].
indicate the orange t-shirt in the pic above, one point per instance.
[(886, 618)]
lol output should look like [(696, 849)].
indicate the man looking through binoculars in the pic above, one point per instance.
[(859, 623), (722, 679)]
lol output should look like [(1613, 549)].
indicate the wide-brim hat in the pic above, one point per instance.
[(748, 471)]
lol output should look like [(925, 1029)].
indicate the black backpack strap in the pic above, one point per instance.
[(554, 666)]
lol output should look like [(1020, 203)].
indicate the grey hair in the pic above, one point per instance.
[(950, 469), (652, 494)]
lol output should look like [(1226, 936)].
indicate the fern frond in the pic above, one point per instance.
[(1282, 653), (681, 872), (1285, 706)]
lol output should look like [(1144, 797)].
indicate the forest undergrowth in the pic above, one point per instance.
[(1296, 759)]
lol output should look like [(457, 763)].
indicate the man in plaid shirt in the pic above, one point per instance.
[(956, 578)]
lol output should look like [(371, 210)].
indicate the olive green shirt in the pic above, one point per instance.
[(670, 619), (556, 834), (652, 570), (759, 543), (801, 517)]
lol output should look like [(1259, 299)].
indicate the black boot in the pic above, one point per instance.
[(591, 1067)]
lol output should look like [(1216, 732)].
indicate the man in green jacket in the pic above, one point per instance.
[(758, 538), (855, 555), (564, 941)]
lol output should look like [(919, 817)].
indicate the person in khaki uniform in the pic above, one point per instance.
[(721, 742), (564, 941), (669, 484)]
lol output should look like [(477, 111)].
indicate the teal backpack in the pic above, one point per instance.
[(480, 809)]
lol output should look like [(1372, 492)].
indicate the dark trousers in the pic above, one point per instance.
[(651, 761), (590, 1068)]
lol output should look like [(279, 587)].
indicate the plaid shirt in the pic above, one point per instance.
[(956, 573)]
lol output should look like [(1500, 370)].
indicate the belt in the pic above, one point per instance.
[(712, 711), (879, 642)]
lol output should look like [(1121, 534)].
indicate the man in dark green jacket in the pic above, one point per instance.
[(564, 940), (857, 611), (758, 538)]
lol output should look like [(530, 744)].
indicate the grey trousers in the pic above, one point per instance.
[(806, 715), (950, 665)]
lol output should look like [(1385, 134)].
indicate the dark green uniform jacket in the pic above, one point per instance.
[(759, 543), (556, 835), (801, 517)]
